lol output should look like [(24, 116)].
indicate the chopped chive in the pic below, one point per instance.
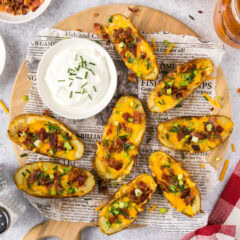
[(191, 17), (79, 92), (81, 59), (78, 77), (61, 80), (71, 94), (71, 79), (84, 85), (72, 74), (163, 102), (94, 64), (71, 70), (28, 171), (89, 96), (78, 68), (86, 74), (23, 174), (70, 84), (90, 70), (94, 88), (76, 57), (23, 155)]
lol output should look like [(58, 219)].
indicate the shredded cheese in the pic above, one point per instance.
[(154, 44), (217, 101), (211, 78), (213, 103), (202, 165), (4, 107), (224, 169), (99, 208), (169, 49), (152, 208), (233, 148)]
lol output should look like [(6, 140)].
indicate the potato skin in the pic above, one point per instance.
[(160, 102), (123, 195), (18, 122), (123, 105), (19, 180), (149, 73), (159, 159), (163, 131)]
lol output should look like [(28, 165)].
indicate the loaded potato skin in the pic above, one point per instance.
[(179, 84), (195, 134), (175, 182), (53, 180), (121, 139), (134, 50), (45, 135), (123, 209)]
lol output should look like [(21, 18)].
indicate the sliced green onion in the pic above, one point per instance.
[(70, 96)]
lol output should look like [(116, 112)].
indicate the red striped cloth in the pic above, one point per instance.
[(224, 221)]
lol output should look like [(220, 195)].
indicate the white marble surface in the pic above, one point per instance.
[(17, 38)]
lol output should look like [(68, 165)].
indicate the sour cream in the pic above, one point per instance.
[(76, 78)]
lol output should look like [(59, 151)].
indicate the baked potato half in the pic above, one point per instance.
[(179, 84), (121, 138), (123, 209), (45, 135), (195, 134), (134, 50), (175, 182), (53, 180)]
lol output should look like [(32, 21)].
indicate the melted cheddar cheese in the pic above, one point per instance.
[(126, 133), (143, 63), (177, 181), (195, 134), (178, 85)]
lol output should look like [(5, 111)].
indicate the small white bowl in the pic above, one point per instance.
[(46, 94), (9, 18), (3, 55)]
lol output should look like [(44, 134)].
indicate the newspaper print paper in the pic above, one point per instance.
[(83, 209)]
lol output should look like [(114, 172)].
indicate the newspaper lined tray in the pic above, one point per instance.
[(76, 210)]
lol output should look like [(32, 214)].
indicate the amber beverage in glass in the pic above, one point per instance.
[(227, 21)]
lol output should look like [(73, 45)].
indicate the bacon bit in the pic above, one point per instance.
[(132, 77), (200, 11), (233, 148), (96, 14), (154, 44), (211, 78), (169, 49), (224, 169), (238, 90), (46, 113), (134, 10), (4, 107), (212, 108), (202, 165), (152, 208)]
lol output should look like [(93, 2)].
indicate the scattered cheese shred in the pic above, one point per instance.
[(224, 169), (169, 49), (233, 148), (4, 107), (98, 208), (154, 44), (211, 78), (213, 103), (152, 208), (202, 165), (217, 101)]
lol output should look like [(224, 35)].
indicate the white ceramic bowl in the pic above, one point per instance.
[(46, 94), (9, 18), (3, 55)]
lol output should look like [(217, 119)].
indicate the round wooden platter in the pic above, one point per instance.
[(147, 20)]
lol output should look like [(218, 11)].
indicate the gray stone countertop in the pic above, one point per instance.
[(17, 38)]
